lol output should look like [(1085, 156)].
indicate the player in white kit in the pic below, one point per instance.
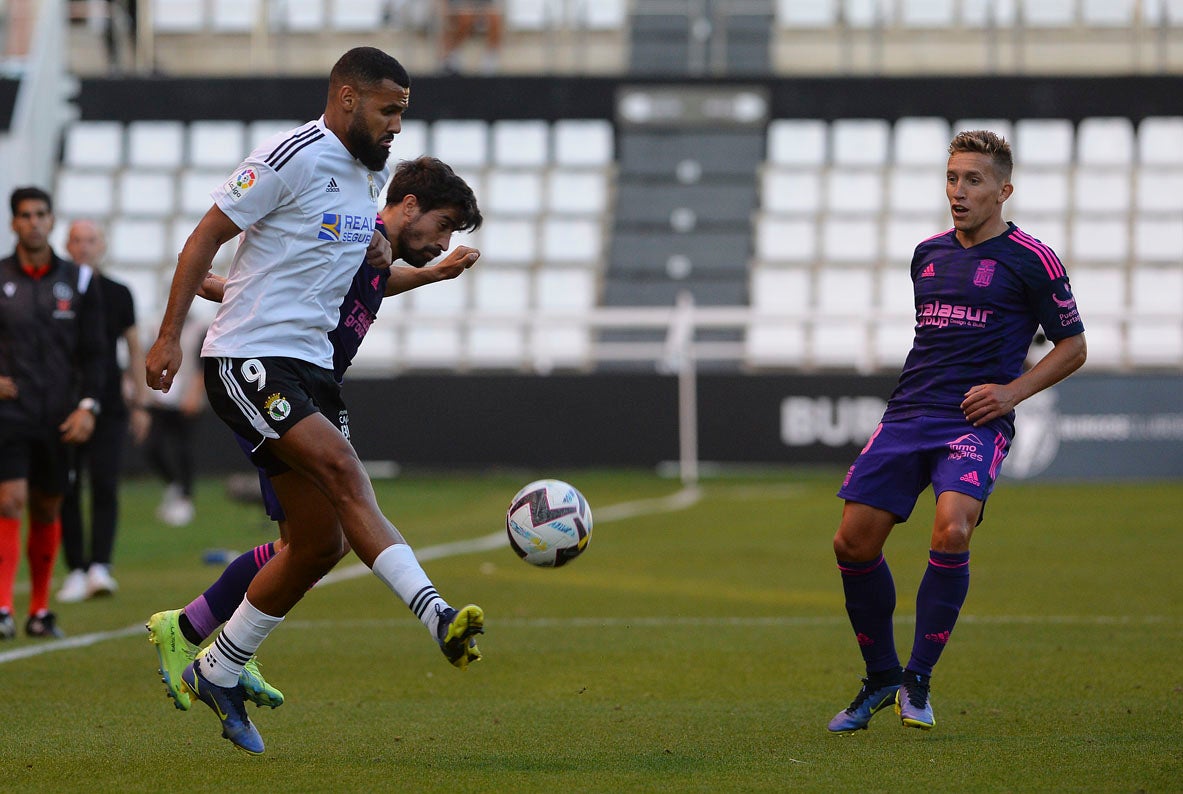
[(306, 201)]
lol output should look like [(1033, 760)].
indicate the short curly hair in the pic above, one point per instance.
[(434, 184)]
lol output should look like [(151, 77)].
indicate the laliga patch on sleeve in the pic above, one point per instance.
[(240, 183)]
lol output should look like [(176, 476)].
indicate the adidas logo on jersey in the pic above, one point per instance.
[(331, 187), (929, 271)]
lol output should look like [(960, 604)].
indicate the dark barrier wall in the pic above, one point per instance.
[(493, 98), (1089, 427), (594, 420)]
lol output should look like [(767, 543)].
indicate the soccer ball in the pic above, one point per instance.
[(549, 523)]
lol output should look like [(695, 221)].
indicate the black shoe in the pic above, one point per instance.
[(43, 626), (7, 625)]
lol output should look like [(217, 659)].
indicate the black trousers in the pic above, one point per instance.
[(170, 447), (100, 462)]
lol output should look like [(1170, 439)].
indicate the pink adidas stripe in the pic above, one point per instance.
[(860, 571), (937, 564), (999, 454), (1051, 262)]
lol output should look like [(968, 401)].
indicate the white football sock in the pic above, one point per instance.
[(235, 644), (397, 567)]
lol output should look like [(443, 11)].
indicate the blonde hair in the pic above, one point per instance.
[(988, 143)]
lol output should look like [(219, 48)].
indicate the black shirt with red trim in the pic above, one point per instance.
[(51, 340)]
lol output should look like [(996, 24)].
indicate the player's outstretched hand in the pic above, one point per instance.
[(458, 260), (987, 402)]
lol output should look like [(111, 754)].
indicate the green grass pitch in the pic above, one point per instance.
[(700, 647)]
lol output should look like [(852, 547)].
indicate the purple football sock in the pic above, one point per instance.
[(870, 602), (938, 602), (215, 606)]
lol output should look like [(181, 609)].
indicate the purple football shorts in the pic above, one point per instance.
[(905, 456)]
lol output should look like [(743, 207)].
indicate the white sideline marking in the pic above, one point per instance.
[(680, 500)]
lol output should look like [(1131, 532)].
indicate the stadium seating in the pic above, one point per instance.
[(844, 203), (833, 207)]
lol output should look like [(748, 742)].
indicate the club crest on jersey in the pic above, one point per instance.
[(63, 294), (985, 273), (278, 407), (375, 191), (241, 182)]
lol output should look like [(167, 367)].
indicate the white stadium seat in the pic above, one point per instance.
[(307, 16), (904, 232), (1105, 141), (1158, 239), (1100, 239), (577, 192), (859, 142), (1048, 13), (854, 191), (843, 291), (357, 15), (988, 13), (1100, 292), (1108, 13), (1159, 190), (564, 289), (217, 144), (778, 292), (139, 242), (921, 141), (499, 343), (178, 16), (156, 144), (795, 192), (411, 142), (571, 240), (797, 142), (927, 13), (806, 13), (81, 194), (781, 239), (520, 143), (263, 130), (461, 144), (1096, 190), (147, 193), (234, 16), (513, 192), (1040, 191), (917, 190), (1160, 140), (94, 145), (196, 187), (1043, 142), (509, 240), (850, 239), (601, 15), (583, 142)]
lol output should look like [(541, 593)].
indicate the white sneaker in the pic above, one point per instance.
[(180, 513), (99, 581), (172, 495), (75, 588)]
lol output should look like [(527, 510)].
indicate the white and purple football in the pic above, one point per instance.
[(549, 523)]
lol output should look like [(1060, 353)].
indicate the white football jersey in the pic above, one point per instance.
[(307, 208)]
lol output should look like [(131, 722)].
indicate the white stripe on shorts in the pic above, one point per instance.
[(235, 392)]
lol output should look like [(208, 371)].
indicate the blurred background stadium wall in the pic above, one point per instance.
[(699, 213)]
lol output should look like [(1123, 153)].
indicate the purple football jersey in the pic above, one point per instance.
[(977, 310)]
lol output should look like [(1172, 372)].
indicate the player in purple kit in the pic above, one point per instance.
[(421, 188), (982, 289)]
